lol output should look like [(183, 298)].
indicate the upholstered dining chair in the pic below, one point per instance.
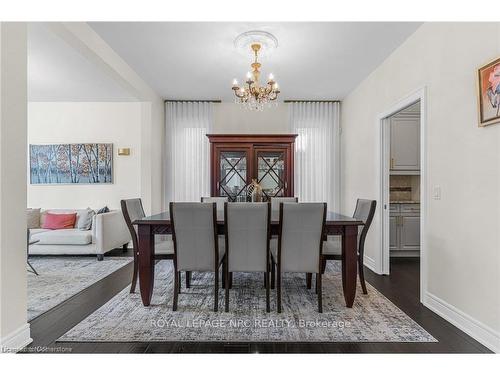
[(132, 210), (218, 200), (247, 241), (332, 248), (275, 202), (197, 247), (300, 243)]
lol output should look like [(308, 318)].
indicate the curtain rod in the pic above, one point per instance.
[(311, 101), (192, 100)]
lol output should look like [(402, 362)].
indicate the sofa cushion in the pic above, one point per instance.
[(34, 231), (63, 237), (85, 219), (59, 221), (33, 216), (44, 213)]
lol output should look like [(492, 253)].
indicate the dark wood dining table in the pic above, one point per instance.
[(336, 224)]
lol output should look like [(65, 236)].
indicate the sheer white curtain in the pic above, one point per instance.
[(187, 150), (317, 153)]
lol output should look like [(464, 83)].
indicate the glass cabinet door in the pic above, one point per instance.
[(233, 175), (271, 174)]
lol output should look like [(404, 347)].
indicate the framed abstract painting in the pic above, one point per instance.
[(78, 163), (489, 93)]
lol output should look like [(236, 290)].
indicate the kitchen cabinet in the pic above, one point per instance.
[(404, 229), (237, 159), (405, 144)]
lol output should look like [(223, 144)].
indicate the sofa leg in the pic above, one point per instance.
[(125, 247), (100, 257)]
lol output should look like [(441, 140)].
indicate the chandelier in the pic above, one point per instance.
[(252, 95)]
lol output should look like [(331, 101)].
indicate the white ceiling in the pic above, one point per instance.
[(198, 60), (57, 72)]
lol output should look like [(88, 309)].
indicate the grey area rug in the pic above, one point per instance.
[(62, 277), (372, 319)]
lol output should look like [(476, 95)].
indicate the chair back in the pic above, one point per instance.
[(247, 236), (275, 202), (218, 200), (194, 232), (365, 210), (301, 236), (132, 210)]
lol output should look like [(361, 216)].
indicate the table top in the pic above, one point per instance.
[(332, 218)]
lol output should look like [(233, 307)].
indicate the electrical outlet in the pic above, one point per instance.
[(436, 192)]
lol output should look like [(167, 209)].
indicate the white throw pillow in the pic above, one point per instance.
[(85, 219)]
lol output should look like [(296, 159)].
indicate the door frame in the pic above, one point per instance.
[(382, 263)]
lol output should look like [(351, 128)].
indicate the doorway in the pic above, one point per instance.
[(402, 184)]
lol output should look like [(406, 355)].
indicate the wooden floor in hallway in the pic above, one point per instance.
[(401, 287)]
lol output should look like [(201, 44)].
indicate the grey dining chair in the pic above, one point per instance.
[(218, 200), (132, 210), (247, 241), (300, 243), (332, 248), (197, 247), (275, 202)]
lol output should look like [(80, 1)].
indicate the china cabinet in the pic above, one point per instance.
[(238, 159)]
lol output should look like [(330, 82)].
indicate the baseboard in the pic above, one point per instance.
[(477, 330), (16, 340), (369, 263)]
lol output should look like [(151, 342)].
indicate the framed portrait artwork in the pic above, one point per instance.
[(489, 93)]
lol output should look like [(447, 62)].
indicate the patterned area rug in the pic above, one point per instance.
[(372, 319), (62, 277)]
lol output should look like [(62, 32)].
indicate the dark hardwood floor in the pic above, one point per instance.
[(401, 287)]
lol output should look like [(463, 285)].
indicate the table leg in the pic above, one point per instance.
[(349, 263), (146, 263)]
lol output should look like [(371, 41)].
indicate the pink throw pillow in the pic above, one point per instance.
[(59, 221)]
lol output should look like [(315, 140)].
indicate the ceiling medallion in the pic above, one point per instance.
[(251, 94)]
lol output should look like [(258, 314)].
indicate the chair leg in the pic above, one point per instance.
[(134, 276), (273, 273), (278, 289), (223, 274), (179, 284), (216, 290), (309, 280), (362, 275), (268, 291), (176, 291), (230, 280), (125, 247), (188, 279), (323, 265), (226, 277), (320, 292), (265, 280)]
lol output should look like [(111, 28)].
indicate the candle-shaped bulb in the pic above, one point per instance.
[(276, 86), (235, 82), (249, 75), (271, 76)]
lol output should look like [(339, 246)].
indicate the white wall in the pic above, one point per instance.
[(81, 122), (231, 118), (14, 329), (463, 253)]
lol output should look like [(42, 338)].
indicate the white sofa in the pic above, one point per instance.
[(108, 232)]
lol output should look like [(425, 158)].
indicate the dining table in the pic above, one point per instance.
[(335, 225)]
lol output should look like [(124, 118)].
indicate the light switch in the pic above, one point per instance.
[(436, 192)]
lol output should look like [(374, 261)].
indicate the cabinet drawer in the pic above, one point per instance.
[(410, 207)]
